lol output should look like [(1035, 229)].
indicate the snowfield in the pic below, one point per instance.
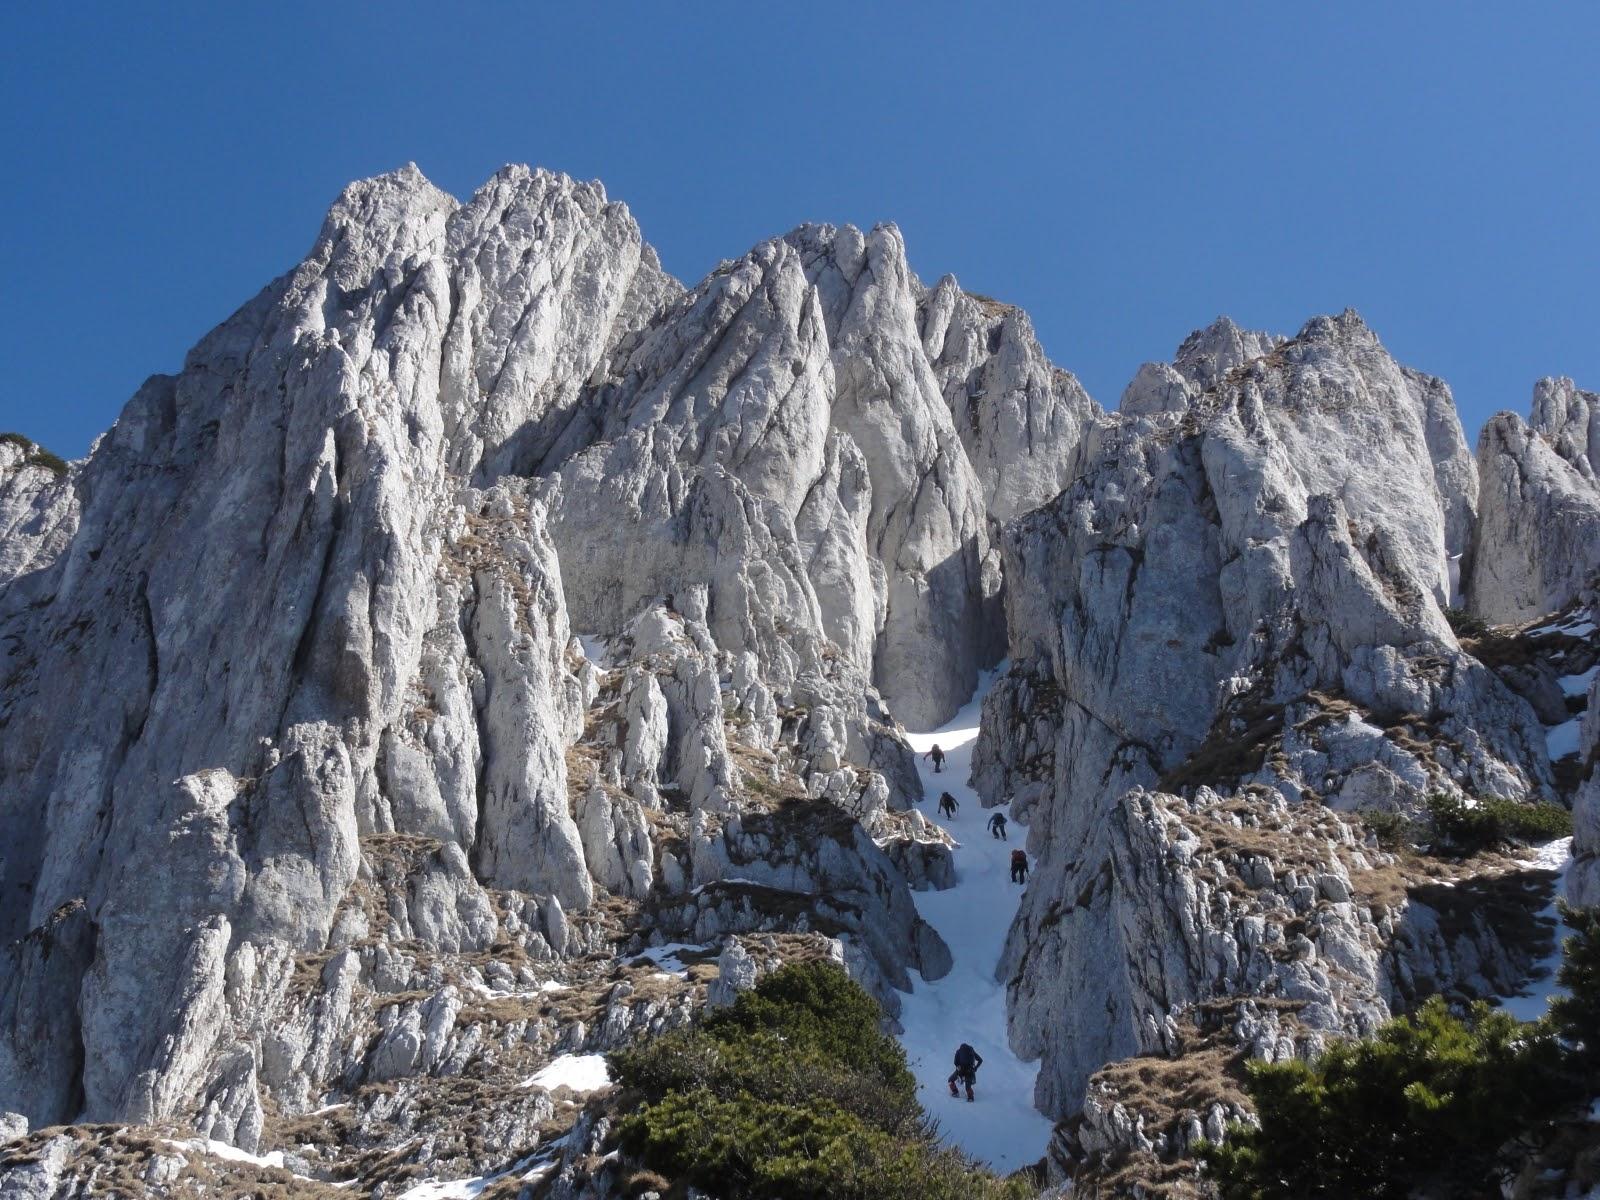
[(1002, 1128)]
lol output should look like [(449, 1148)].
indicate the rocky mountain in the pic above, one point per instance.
[(486, 651)]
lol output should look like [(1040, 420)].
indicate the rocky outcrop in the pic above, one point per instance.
[(1202, 361), (1020, 417), (38, 516), (1245, 928), (1244, 593), (1537, 541), (1583, 880)]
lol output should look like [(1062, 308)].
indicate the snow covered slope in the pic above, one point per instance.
[(1001, 1127)]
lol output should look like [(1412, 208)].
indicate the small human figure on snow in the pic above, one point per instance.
[(947, 805), (968, 1061), (997, 825), (938, 758), (1019, 866)]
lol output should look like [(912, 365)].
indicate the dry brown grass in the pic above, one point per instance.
[(111, 1161), (1225, 756)]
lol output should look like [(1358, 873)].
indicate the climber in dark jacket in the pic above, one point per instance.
[(947, 804), (1019, 866), (968, 1061), (997, 825)]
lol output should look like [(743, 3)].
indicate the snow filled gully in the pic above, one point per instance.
[(1002, 1127)]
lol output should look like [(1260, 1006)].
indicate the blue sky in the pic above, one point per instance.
[(1123, 171)]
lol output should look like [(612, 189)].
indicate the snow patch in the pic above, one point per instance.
[(1541, 986), (231, 1153), (1576, 625), (1562, 740), (581, 1073), (668, 958), (1577, 685), (698, 888), (536, 1165)]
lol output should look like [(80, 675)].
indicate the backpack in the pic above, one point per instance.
[(966, 1056), (1019, 858)]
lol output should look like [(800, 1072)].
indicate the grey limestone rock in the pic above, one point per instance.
[(1537, 541)]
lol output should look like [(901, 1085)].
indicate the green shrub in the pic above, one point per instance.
[(1465, 624), (1393, 830), (1493, 822), (752, 1147), (796, 1092), (50, 462), (1431, 1103), (1577, 1013), (34, 454)]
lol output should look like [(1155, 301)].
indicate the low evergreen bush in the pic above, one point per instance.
[(792, 1093), (1465, 624), (1493, 822), (1393, 830), (1577, 1013), (1434, 1103), (35, 454)]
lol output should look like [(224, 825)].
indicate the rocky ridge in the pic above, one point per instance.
[(487, 650)]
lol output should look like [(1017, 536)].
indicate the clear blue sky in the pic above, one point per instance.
[(1124, 171)]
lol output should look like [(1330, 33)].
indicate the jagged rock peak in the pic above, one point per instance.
[(1207, 354), (1537, 541), (1570, 418), (1237, 596), (1200, 362), (1021, 418)]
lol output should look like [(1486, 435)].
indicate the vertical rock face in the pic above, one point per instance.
[(1538, 535), (274, 576), (1243, 592), (817, 375), (1020, 417), (1570, 419), (1583, 885)]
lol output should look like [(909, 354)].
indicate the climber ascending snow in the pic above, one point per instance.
[(1019, 866), (968, 1061), (947, 805), (997, 825)]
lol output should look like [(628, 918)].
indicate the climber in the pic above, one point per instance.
[(947, 805), (938, 758), (967, 1063), (1019, 866), (997, 825)]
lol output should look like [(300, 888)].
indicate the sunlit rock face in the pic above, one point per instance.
[(1538, 535), (486, 650), (1243, 590), (296, 714)]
